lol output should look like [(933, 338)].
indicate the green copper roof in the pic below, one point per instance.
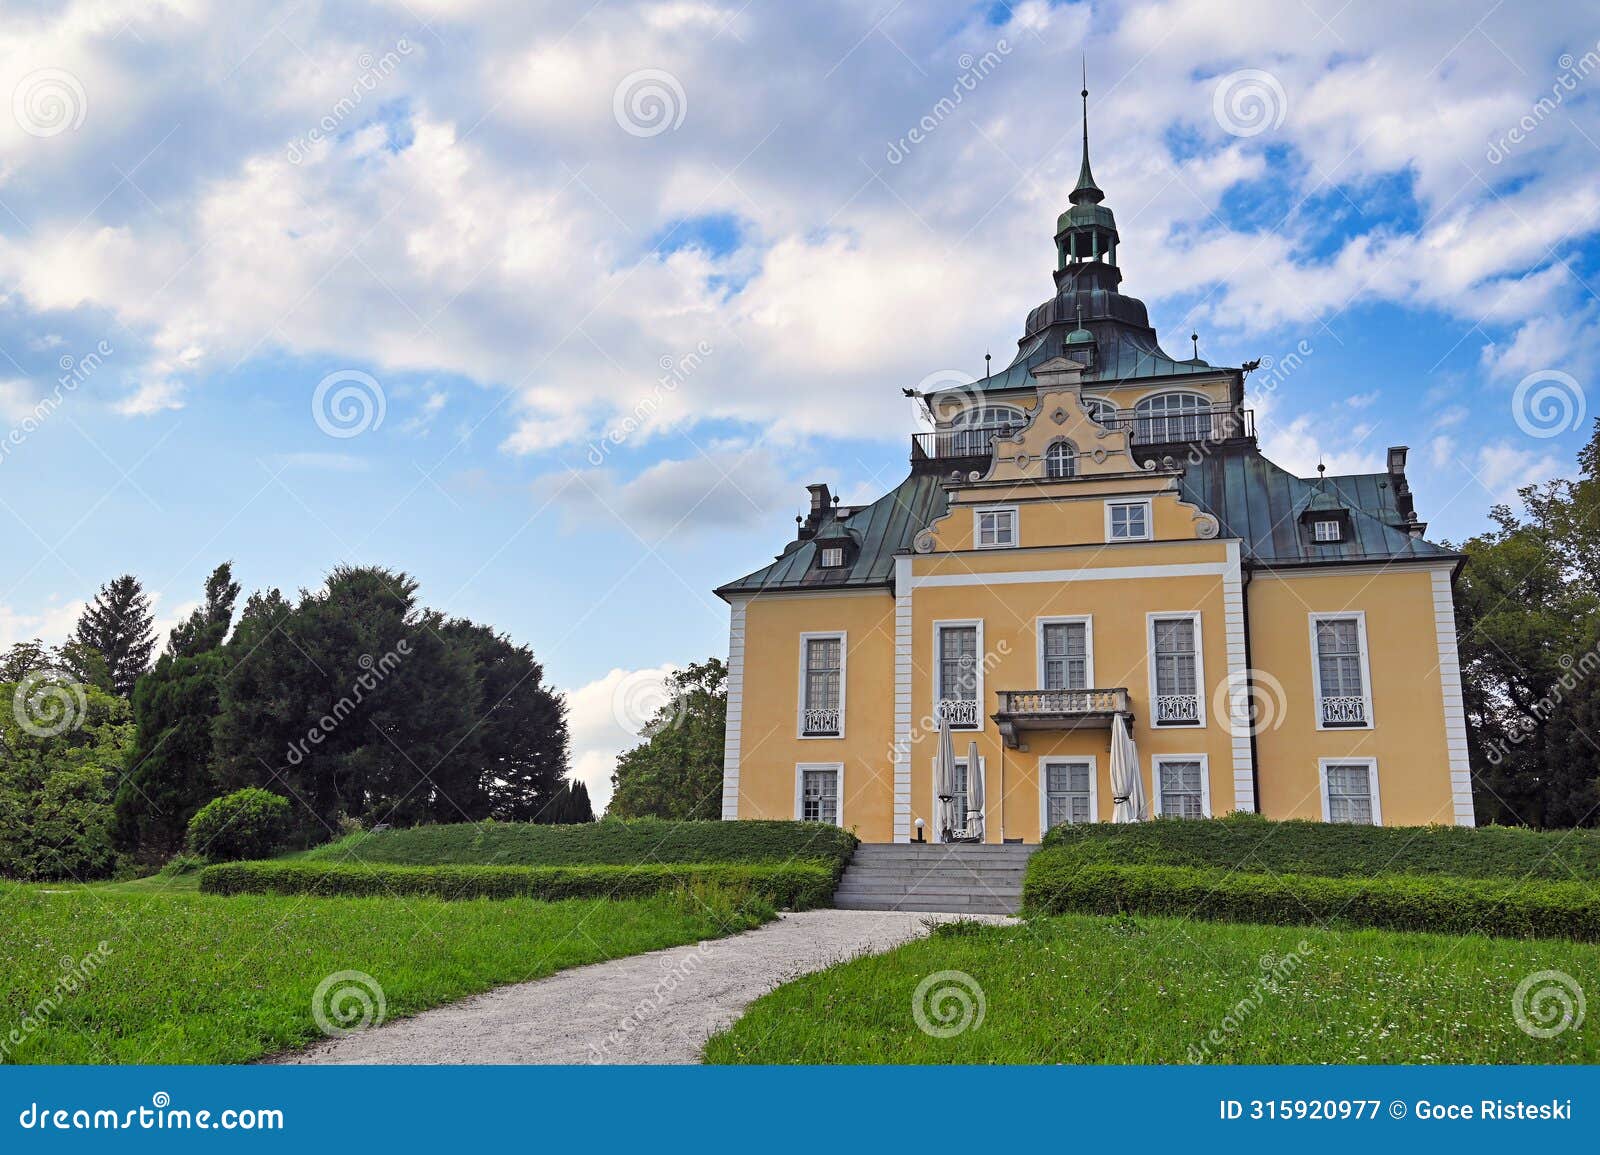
[(877, 532)]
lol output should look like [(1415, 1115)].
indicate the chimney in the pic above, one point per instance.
[(1403, 501), (821, 507)]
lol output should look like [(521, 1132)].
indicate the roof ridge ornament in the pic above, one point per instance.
[(1086, 192)]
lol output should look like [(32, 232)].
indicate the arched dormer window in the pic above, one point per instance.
[(971, 429), (1174, 417), (1060, 460), (1099, 410)]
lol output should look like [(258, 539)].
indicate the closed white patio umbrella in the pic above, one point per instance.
[(944, 781), (1127, 787), (974, 792)]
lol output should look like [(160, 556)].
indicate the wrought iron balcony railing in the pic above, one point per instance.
[(1344, 711), (1177, 709), (975, 444), (822, 722), (962, 713)]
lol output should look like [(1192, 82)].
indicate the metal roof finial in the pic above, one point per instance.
[(1195, 337), (986, 364)]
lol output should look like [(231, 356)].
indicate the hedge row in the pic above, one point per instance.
[(611, 840), (796, 885), (1252, 843), (1056, 884)]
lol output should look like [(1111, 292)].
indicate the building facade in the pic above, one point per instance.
[(1090, 533)]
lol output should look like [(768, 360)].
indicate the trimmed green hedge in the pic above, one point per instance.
[(614, 841), (796, 885), (1252, 843), (1057, 884)]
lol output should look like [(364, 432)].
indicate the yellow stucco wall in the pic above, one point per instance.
[(1408, 733), (770, 748)]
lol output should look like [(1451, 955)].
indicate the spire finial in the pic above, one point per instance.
[(1195, 337), (1086, 191), (986, 364)]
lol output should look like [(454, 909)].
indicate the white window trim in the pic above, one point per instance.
[(1199, 668), (800, 695), (1372, 782), (933, 789), (937, 626), (800, 769), (825, 551), (1044, 787), (1156, 762), (1316, 530), (1016, 526), (1088, 643), (1360, 618), (1149, 520)]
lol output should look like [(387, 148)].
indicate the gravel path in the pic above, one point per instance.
[(659, 1007)]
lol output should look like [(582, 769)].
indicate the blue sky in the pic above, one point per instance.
[(623, 279)]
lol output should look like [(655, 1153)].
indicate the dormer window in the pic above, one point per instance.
[(831, 556), (1325, 524), (1060, 460), (1327, 530)]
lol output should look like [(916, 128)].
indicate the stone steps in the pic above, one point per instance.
[(955, 879)]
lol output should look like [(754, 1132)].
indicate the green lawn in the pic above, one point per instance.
[(608, 842), (1081, 989), (193, 979)]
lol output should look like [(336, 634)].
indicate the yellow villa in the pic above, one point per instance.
[(1090, 534)]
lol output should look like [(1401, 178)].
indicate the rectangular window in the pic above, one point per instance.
[(822, 707), (819, 794), (995, 528), (1176, 661), (1068, 793), (1325, 530), (832, 557), (1181, 788), (957, 691), (1127, 520), (1065, 655), (1341, 672), (958, 801), (1349, 794)]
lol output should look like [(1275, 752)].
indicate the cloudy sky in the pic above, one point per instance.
[(559, 306)]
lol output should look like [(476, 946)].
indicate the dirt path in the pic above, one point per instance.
[(650, 1008)]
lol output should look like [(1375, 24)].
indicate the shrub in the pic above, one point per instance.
[(1056, 884), (611, 841), (1252, 843), (249, 823), (795, 885)]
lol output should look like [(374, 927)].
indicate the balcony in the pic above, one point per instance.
[(1344, 711), (972, 449), (1210, 423), (822, 723), (1023, 710), (953, 447)]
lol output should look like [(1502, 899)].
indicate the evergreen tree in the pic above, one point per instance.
[(171, 771), (205, 629), (569, 805), (677, 771), (358, 701), (117, 623)]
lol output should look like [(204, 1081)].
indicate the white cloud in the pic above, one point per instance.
[(603, 720), (1362, 400), (721, 489), (152, 398)]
